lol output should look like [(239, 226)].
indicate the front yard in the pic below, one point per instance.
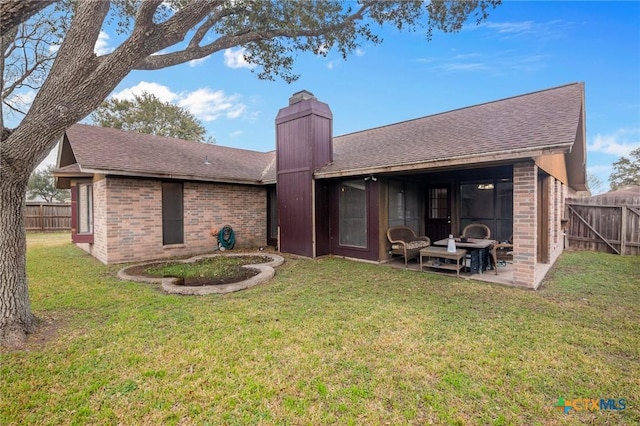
[(329, 341)]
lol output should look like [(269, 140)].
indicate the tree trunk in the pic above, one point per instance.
[(16, 319)]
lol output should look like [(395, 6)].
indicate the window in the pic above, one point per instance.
[(438, 203), (272, 216), (85, 209), (491, 203), (172, 214), (403, 205), (353, 214)]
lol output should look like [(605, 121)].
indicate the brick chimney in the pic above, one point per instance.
[(303, 144)]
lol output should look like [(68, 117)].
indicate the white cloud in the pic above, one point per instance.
[(332, 64), (102, 44), (21, 101), (549, 30), (236, 133), (204, 103), (235, 59), (236, 111), (197, 62), (359, 52), (469, 66), (161, 92), (496, 63), (619, 143), (510, 27), (209, 105)]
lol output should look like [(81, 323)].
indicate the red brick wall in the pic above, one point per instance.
[(525, 202), (99, 246), (128, 218)]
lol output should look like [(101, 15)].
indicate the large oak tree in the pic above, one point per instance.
[(158, 34)]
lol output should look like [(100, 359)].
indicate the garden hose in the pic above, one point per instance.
[(226, 238)]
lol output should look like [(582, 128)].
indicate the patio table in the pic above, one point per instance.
[(478, 250), (434, 254)]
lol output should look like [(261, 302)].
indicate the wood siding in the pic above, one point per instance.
[(303, 144)]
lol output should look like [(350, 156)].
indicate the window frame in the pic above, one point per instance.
[(170, 215), (80, 200), (342, 226), (501, 219)]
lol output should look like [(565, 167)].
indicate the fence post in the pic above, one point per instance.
[(41, 217), (623, 230)]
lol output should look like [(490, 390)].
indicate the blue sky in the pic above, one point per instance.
[(522, 48)]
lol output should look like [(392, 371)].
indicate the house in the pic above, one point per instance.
[(508, 164)]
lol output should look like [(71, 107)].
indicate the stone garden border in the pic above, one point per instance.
[(266, 272)]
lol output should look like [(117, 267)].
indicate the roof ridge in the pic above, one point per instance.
[(461, 108), (267, 168)]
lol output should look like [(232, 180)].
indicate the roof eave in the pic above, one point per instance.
[(171, 176), (495, 157)]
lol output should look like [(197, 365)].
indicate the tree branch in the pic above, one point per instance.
[(210, 22), (15, 12), (194, 51)]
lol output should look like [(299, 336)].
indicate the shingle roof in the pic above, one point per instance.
[(548, 120), (105, 150), (542, 120)]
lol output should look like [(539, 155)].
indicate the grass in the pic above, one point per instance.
[(212, 267), (208, 271), (328, 341)]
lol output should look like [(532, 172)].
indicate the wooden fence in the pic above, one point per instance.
[(47, 217), (606, 224)]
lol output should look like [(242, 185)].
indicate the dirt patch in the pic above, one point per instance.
[(47, 327), (241, 275)]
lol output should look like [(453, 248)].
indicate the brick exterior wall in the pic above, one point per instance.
[(128, 218), (525, 231), (557, 242), (550, 189), (99, 247)]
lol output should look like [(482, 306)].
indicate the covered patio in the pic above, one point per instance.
[(504, 276)]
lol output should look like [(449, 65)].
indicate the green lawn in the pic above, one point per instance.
[(329, 341)]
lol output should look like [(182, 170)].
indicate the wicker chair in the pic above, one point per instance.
[(501, 252), (477, 230), (404, 242)]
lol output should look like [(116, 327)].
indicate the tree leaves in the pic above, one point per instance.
[(148, 114), (626, 171), (42, 184)]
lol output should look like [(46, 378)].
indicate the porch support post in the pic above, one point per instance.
[(525, 226)]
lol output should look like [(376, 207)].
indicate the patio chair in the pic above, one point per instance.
[(404, 242), (501, 252), (477, 230)]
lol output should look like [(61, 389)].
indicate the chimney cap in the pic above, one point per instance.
[(303, 95)]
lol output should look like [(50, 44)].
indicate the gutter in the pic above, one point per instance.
[(500, 156), (171, 176)]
